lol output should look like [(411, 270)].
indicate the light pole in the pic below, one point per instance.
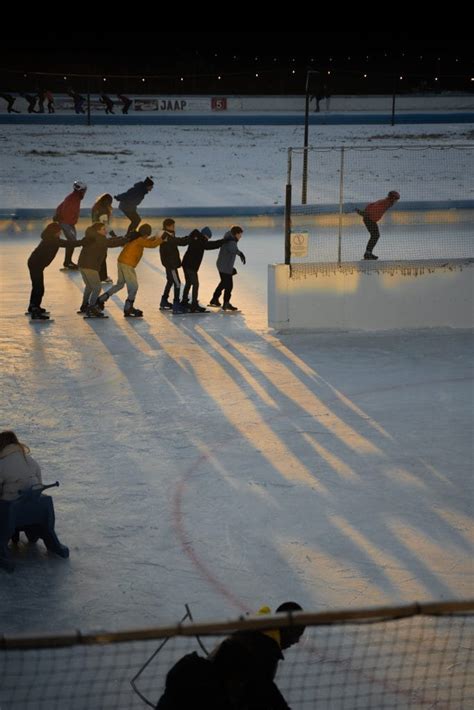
[(305, 151)]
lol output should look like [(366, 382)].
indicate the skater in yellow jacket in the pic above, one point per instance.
[(128, 259)]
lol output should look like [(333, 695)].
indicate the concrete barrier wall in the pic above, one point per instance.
[(372, 296)]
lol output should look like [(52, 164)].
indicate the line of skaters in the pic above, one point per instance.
[(99, 238)]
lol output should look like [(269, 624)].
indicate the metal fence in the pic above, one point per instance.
[(416, 656), (434, 218)]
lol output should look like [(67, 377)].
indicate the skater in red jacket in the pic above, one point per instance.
[(67, 215), (373, 213)]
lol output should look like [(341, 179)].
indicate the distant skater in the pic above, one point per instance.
[(50, 101), (10, 102), (78, 100), (125, 101), (107, 101), (373, 213), (31, 100)]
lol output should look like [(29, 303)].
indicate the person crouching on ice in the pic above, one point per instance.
[(128, 259)]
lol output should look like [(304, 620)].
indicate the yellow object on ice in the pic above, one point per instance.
[(272, 633)]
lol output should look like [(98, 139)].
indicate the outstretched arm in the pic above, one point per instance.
[(116, 242), (214, 245)]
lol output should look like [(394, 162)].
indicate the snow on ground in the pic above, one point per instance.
[(205, 459), (225, 165)]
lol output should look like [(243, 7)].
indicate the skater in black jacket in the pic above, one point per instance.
[(39, 259), (238, 675), (129, 201), (198, 244), (171, 260)]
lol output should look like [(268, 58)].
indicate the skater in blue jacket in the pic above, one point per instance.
[(129, 201)]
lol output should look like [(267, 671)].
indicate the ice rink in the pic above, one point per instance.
[(205, 459)]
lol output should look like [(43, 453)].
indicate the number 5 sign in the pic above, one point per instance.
[(219, 104)]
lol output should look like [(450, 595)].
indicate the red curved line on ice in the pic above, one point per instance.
[(188, 547)]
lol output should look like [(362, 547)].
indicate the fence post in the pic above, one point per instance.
[(341, 203), (394, 92), (288, 212), (88, 101), (306, 130)]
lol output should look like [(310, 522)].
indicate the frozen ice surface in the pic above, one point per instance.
[(208, 460)]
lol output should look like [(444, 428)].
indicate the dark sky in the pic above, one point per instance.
[(106, 51)]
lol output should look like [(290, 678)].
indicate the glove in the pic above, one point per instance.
[(242, 258), (112, 233)]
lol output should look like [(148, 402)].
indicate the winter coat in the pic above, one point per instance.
[(198, 244), (169, 253), (228, 252), (101, 214), (194, 682), (69, 209), (132, 197), (46, 250), (18, 471), (376, 210), (95, 248), (255, 657), (133, 251)]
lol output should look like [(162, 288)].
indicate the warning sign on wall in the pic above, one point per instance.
[(299, 244)]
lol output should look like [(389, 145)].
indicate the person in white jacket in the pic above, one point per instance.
[(18, 470)]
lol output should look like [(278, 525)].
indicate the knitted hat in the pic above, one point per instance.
[(206, 232)]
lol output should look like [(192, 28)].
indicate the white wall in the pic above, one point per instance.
[(182, 104), (338, 104), (372, 295)]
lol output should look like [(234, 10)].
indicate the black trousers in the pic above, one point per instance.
[(37, 283), (134, 218), (226, 284), (103, 270), (172, 280), (373, 230), (192, 280)]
